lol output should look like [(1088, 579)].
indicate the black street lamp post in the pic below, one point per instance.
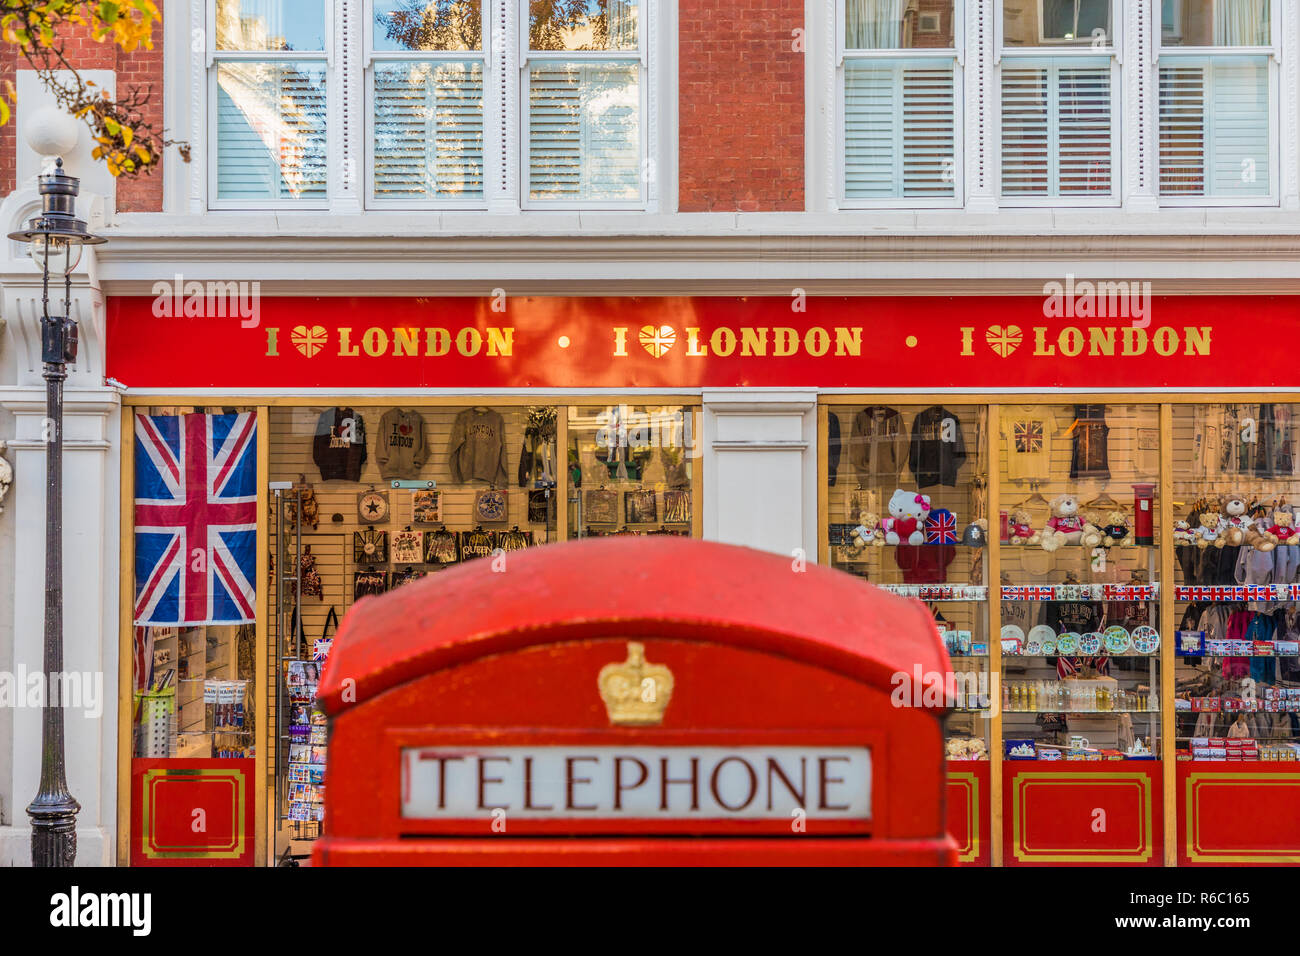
[(55, 231)]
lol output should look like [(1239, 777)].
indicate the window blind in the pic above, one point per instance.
[(428, 132), (1057, 128), (1214, 126), (899, 129), (270, 128)]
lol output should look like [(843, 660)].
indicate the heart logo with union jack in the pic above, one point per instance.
[(658, 339), (309, 341), (1004, 340)]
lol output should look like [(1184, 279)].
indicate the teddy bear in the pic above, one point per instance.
[(1116, 530), (1183, 533), (1207, 532), (1236, 519), (906, 522), (1067, 526), (1019, 530), (1258, 534), (1283, 528), (867, 533)]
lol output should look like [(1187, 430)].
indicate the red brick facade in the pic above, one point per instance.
[(741, 105), (142, 68)]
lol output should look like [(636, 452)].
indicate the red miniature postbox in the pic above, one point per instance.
[(670, 701)]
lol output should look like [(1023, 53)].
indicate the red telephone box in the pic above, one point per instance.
[(669, 701)]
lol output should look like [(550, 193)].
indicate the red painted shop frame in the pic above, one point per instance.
[(968, 810), (760, 655), (167, 793), (1051, 813), (1212, 831)]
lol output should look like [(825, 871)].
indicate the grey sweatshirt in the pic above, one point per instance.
[(477, 447), (401, 449)]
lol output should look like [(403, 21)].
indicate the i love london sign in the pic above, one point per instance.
[(1083, 337)]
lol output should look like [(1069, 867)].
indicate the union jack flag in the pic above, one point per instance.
[(195, 519), (941, 527), (1044, 592), (1013, 592)]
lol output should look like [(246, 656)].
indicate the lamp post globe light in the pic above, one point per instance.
[(56, 238)]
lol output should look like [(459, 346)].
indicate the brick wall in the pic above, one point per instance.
[(740, 106), (142, 68)]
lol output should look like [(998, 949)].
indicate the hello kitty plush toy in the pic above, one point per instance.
[(906, 522)]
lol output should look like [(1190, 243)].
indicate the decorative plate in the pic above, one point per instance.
[(1090, 643), (1041, 634), (1146, 639), (1033, 649), (1117, 639), (1068, 643), (1049, 647), (1012, 632)]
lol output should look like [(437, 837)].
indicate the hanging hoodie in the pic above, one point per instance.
[(878, 445), (477, 447), (1255, 567), (401, 449), (339, 446), (938, 447)]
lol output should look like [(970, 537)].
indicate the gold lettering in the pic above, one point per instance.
[(1071, 341), (501, 341), (1198, 340), (1102, 339), (345, 347), (817, 341), (406, 341), (753, 341), (1166, 340), (848, 341), (272, 344), (1134, 341), (1040, 342), (722, 341), (375, 342), (469, 341), (787, 342), (693, 346), (620, 341), (967, 334), (437, 342)]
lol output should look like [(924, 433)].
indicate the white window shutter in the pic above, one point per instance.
[(1057, 130), (428, 139), (899, 130), (584, 132), (270, 131), (1214, 127)]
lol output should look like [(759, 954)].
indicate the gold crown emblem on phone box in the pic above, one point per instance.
[(636, 693)]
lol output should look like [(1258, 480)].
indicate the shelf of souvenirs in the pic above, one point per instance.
[(1196, 644), (1033, 750), (1238, 750), (1224, 593), (935, 592), (1273, 700), (1080, 592)]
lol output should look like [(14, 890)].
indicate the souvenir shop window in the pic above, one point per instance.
[(906, 509), (1237, 588), (1079, 591), (632, 470), (370, 498), (194, 635)]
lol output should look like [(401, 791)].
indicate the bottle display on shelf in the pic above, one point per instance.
[(1237, 588), (907, 511), (1079, 589)]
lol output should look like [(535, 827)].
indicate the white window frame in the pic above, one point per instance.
[(955, 53), (1003, 55), (1046, 41), (370, 56), (214, 57), (1274, 54), (645, 76)]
